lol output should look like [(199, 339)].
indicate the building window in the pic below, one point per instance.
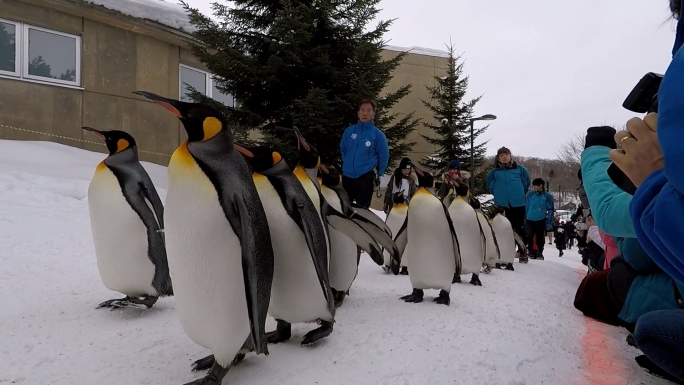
[(9, 48), (204, 83), (39, 54)]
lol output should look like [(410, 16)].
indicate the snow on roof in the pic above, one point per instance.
[(419, 51), (164, 12)]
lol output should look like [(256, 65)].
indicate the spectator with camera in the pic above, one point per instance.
[(402, 181), (364, 148)]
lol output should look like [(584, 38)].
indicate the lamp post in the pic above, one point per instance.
[(472, 155)]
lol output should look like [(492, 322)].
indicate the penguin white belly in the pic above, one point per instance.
[(395, 219), (431, 261), (205, 262), (343, 267), (489, 246), (120, 238), (468, 232), (296, 294), (504, 236)]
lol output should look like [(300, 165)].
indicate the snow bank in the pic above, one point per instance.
[(419, 50), (170, 14)]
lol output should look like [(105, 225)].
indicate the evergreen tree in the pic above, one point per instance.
[(452, 127), (302, 63)]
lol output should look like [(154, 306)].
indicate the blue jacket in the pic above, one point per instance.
[(538, 206), (508, 184), (651, 289), (609, 205), (363, 146), (658, 205)]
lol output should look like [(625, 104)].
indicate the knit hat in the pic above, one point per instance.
[(503, 150), (538, 182), (405, 163), (455, 164)]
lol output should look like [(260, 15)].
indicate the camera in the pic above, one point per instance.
[(642, 99)]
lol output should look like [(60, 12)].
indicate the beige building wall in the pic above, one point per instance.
[(120, 54)]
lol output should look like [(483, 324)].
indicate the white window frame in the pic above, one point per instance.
[(208, 78), (17, 49), (25, 56)]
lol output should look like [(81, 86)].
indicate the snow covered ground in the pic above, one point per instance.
[(519, 328)]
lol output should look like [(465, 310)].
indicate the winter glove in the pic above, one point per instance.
[(600, 136)]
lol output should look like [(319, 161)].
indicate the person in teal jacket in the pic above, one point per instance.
[(509, 181), (538, 214), (609, 205), (635, 282)]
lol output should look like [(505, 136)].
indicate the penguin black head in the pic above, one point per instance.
[(308, 155), (425, 179), (495, 211), (260, 158), (329, 176), (115, 140), (201, 121)]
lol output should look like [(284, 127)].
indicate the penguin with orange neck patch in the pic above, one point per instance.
[(301, 286), (127, 218), (217, 241), (363, 231), (431, 244)]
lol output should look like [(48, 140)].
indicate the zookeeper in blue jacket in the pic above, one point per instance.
[(538, 216), (509, 181), (363, 148)]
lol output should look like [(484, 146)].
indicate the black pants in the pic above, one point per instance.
[(360, 189), (516, 215), (535, 229)]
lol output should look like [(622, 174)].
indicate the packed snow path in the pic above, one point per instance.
[(518, 328)]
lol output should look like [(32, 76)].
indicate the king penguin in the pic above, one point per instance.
[(469, 235), (490, 246), (218, 240), (429, 238), (343, 250), (127, 220), (395, 219), (368, 235), (506, 238), (301, 287)]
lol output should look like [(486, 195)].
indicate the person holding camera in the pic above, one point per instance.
[(363, 147), (402, 181)]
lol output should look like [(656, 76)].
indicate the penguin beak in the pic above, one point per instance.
[(301, 140), (95, 132), (173, 106), (244, 151), (323, 168)]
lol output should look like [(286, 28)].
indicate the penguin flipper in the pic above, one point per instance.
[(318, 251), (370, 217), (454, 241), (345, 204), (401, 240), (354, 231), (257, 259), (520, 243), (382, 238)]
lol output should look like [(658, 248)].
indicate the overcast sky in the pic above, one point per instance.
[(547, 69)]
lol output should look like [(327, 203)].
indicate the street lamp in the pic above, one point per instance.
[(472, 155)]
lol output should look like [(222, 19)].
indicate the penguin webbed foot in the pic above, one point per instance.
[(415, 297), (457, 278), (214, 377), (338, 297), (127, 301), (443, 298), (319, 333), (208, 361), (282, 333), (475, 280)]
